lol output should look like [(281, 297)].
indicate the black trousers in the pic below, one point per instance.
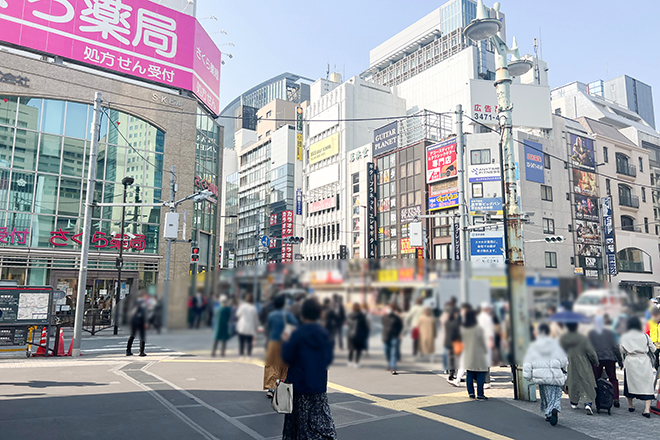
[(357, 351), (243, 342), (138, 328)]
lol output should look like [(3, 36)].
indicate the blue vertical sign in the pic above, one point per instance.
[(608, 235), (299, 201), (534, 171)]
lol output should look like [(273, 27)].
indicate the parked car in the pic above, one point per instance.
[(606, 302)]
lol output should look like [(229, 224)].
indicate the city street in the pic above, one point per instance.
[(173, 395)]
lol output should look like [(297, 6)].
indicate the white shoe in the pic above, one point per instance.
[(456, 383), (590, 412), (486, 386), (357, 366), (574, 406)]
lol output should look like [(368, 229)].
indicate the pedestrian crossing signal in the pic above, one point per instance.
[(343, 252), (194, 254)]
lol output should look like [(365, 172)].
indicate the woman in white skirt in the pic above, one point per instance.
[(639, 374)]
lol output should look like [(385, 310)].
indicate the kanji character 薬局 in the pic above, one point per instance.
[(156, 31), (108, 17)]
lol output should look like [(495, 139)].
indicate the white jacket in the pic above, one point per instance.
[(544, 361), (248, 319)]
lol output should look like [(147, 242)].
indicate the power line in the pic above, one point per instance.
[(565, 162)]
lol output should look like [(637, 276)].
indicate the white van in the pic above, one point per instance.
[(606, 302)]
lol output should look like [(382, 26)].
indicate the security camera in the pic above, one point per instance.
[(205, 194)]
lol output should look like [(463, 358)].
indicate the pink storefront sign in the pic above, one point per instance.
[(132, 37)]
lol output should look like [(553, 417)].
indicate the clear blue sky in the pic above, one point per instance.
[(582, 40)]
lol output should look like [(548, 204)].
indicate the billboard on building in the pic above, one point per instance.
[(136, 38), (487, 247), (608, 235), (486, 204), (405, 246), (584, 183), (534, 171), (371, 211), (386, 138), (484, 173), (582, 153), (324, 149), (443, 195), (409, 214), (322, 205), (587, 232), (586, 208), (441, 162)]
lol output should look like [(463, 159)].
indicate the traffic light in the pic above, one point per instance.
[(292, 240), (194, 254), (343, 253), (555, 239)]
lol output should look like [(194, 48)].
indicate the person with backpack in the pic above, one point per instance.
[(607, 349), (544, 364), (139, 319), (581, 359)]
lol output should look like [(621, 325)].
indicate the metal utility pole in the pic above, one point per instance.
[(168, 256), (257, 241), (126, 181), (87, 226), (484, 28), (462, 204)]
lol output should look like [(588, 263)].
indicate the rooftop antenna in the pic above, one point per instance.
[(541, 42), (537, 71), (327, 71)]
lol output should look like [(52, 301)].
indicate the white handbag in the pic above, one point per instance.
[(282, 401)]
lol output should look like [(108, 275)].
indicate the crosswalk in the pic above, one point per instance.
[(121, 348)]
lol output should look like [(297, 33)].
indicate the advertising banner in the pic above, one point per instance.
[(584, 183), (582, 153), (137, 38), (409, 214), (484, 173), (322, 205), (386, 138), (608, 234), (456, 240), (441, 161), (486, 204), (299, 146), (405, 246), (586, 208), (324, 149), (587, 232), (443, 195), (534, 162), (299, 201), (371, 211), (487, 247), (589, 250)]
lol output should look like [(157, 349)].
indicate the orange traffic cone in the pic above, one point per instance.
[(41, 350), (60, 344), (70, 347)]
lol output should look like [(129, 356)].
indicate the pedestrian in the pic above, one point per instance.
[(198, 309), (465, 308), (156, 320), (138, 316), (444, 317), (544, 365), (475, 351), (581, 360), (411, 322), (638, 372), (367, 314), (607, 350), (221, 331), (329, 318), (308, 353), (340, 317), (246, 325), (358, 332), (451, 339), (392, 328), (275, 369), (428, 332), (485, 321)]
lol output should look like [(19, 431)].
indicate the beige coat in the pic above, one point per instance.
[(474, 349), (428, 331), (639, 372)]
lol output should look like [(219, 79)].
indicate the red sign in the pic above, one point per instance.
[(441, 161), (205, 184), (405, 246), (100, 240), (16, 236), (322, 204), (273, 219)]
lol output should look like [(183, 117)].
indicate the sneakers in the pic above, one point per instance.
[(587, 408), (574, 405), (554, 417), (455, 382), (482, 398)]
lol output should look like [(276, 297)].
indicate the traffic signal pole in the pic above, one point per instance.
[(168, 255)]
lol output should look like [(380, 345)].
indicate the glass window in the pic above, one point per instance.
[(548, 226), (393, 188), (6, 145), (8, 106), (546, 193), (411, 199), (546, 161), (70, 197), (477, 190), (418, 167), (29, 112), (22, 189), (386, 162), (551, 259), (25, 150), (53, 119), (42, 225), (479, 157), (418, 198), (45, 194), (393, 159), (50, 151), (76, 120), (100, 162), (116, 160), (410, 170)]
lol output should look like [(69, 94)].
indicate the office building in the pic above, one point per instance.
[(628, 92)]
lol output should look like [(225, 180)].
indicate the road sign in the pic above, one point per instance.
[(265, 241)]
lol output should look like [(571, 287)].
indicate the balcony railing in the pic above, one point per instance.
[(630, 201), (626, 169)]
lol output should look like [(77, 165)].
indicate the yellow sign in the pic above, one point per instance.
[(299, 147), (495, 281), (324, 149), (388, 275)]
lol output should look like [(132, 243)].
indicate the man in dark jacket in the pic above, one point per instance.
[(139, 318), (452, 334), (392, 328), (607, 349)]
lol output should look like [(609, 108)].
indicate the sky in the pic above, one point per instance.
[(582, 40)]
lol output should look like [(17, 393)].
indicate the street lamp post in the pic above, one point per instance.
[(483, 28), (126, 181)]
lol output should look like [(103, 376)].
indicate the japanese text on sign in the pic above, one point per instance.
[(441, 161), (100, 240)]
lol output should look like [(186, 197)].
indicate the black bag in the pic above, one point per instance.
[(604, 395)]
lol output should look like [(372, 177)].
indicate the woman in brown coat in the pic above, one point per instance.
[(428, 331)]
